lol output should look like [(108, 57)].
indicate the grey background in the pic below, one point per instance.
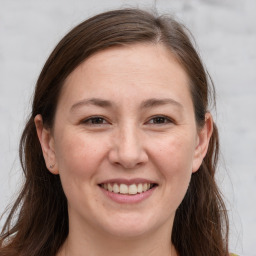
[(225, 31)]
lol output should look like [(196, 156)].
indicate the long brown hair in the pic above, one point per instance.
[(37, 224)]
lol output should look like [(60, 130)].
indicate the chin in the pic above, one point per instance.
[(129, 226), (128, 232)]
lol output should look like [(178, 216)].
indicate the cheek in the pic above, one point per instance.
[(78, 156), (174, 153), (174, 160)]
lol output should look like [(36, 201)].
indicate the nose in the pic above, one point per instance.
[(127, 149)]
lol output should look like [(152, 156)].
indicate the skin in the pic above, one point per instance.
[(128, 142)]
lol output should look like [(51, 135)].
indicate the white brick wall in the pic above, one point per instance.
[(225, 31)]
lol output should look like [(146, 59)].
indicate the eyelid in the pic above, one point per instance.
[(86, 121), (90, 118), (169, 120)]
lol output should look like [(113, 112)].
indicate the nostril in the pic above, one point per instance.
[(129, 154), (128, 161)]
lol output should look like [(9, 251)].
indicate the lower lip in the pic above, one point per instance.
[(128, 199)]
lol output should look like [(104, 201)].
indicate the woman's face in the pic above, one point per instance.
[(125, 122)]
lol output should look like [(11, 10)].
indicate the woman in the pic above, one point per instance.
[(120, 150)]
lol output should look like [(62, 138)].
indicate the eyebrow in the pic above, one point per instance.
[(159, 102), (154, 102), (93, 101)]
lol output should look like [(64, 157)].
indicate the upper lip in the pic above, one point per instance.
[(128, 181)]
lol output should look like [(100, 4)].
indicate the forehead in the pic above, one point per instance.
[(135, 70)]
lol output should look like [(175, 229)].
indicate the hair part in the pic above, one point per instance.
[(201, 223)]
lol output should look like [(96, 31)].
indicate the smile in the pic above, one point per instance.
[(125, 189)]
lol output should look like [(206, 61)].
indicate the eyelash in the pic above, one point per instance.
[(90, 120), (99, 120), (166, 120)]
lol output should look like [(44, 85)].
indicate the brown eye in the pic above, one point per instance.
[(159, 120), (95, 121)]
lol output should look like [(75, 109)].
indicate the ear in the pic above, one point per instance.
[(47, 144), (203, 139)]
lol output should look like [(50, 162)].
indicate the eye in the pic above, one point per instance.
[(160, 120), (96, 120)]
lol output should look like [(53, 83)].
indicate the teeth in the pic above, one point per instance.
[(127, 189), (145, 187), (139, 188), (123, 189), (116, 188), (110, 188), (133, 189)]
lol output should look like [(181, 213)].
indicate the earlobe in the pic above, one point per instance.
[(47, 144), (203, 139)]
